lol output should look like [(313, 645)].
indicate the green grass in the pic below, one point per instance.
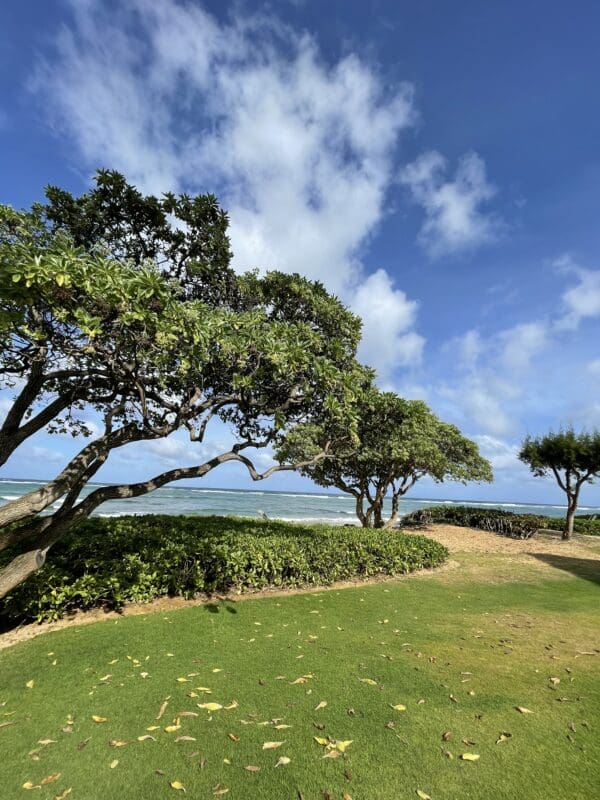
[(490, 646)]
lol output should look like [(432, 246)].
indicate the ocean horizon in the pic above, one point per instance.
[(284, 505)]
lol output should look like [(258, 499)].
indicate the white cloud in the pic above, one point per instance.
[(582, 299), (479, 402), (388, 316), (522, 343), (454, 219), (502, 455), (466, 349), (300, 151)]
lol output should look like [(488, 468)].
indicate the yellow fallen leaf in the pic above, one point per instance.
[(177, 785), (118, 742), (183, 680), (233, 737), (423, 795), (63, 795), (226, 761), (172, 728), (98, 719), (332, 754), (272, 745), (30, 785), (45, 742), (368, 681), (204, 689), (470, 757), (220, 792), (321, 741), (322, 704), (30, 684), (114, 763), (217, 669), (398, 707), (185, 739), (153, 727), (523, 710), (281, 762), (50, 778), (252, 768), (210, 706), (145, 738), (282, 727), (343, 746), (233, 704)]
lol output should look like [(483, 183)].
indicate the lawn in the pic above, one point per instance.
[(317, 675)]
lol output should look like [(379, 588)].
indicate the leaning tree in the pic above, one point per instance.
[(573, 458), (122, 312), (397, 442)]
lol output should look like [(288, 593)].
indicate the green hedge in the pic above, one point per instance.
[(518, 526), (108, 562)]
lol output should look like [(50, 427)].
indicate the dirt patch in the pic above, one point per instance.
[(544, 552)]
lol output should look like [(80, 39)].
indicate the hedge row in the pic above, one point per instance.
[(507, 523), (108, 562)]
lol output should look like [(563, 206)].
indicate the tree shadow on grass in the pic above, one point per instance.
[(586, 568), (216, 608)]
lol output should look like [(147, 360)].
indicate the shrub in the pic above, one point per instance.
[(517, 526), (108, 562), (507, 523)]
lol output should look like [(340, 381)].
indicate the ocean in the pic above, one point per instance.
[(335, 509)]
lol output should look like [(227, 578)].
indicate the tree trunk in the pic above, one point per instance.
[(21, 568), (571, 509)]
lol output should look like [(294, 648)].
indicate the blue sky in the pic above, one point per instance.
[(437, 165)]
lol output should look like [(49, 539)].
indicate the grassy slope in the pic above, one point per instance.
[(413, 637)]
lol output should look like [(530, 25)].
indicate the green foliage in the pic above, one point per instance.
[(567, 450), (507, 523), (108, 562), (517, 526), (396, 443)]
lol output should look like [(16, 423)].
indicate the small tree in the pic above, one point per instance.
[(573, 458), (398, 442)]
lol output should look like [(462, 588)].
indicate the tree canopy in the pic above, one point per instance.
[(397, 442), (125, 309), (572, 457)]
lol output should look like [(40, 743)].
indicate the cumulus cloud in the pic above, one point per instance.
[(454, 217), (522, 343), (582, 299), (300, 151), (388, 316), (503, 456)]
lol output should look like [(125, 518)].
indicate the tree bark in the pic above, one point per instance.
[(571, 509)]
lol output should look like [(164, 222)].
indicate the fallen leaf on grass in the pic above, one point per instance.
[(470, 757), (219, 792), (252, 768), (98, 719), (272, 745), (446, 736), (146, 737), (398, 707), (210, 706), (118, 742), (30, 684), (153, 727), (368, 681), (423, 795), (321, 705), (524, 710), (63, 795), (30, 785), (178, 785), (183, 680), (163, 708), (332, 754), (50, 778), (114, 763), (282, 727), (233, 737), (83, 743), (186, 714), (45, 742), (283, 761)]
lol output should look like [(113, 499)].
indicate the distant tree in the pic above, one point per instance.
[(397, 443), (124, 310), (573, 458)]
